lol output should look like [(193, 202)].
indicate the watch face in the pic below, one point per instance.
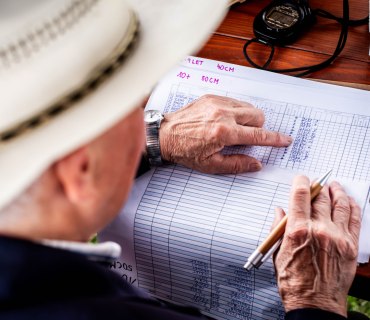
[(151, 116), (281, 17)]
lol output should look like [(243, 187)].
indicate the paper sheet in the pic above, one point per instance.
[(186, 235)]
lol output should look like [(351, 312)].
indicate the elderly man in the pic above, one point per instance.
[(71, 137)]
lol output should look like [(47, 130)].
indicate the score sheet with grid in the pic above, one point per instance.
[(323, 139), (186, 235)]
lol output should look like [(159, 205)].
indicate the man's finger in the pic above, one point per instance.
[(354, 225), (340, 205), (279, 215), (300, 201), (249, 116), (243, 112), (241, 135), (321, 206), (234, 163), (230, 102)]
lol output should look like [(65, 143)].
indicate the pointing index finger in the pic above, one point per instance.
[(241, 135)]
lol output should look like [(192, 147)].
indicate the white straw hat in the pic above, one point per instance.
[(70, 69)]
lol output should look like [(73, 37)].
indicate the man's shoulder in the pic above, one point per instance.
[(40, 282)]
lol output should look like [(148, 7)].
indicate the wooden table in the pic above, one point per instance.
[(351, 67), (314, 46)]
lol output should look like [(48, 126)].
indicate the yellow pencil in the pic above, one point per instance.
[(272, 242)]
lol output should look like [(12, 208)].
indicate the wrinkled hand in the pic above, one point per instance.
[(317, 260), (194, 135)]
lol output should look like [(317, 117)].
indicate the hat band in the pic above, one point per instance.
[(100, 74)]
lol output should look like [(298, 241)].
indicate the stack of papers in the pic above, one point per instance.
[(186, 235)]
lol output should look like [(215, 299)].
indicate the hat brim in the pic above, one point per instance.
[(169, 30)]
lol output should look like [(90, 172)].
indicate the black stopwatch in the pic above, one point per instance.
[(282, 21)]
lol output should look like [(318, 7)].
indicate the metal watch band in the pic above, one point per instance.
[(152, 143)]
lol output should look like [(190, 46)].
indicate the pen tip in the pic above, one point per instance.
[(248, 266), (325, 177)]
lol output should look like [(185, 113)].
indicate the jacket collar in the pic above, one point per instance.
[(100, 252)]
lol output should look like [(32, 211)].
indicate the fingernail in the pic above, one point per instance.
[(255, 166), (288, 139), (280, 209)]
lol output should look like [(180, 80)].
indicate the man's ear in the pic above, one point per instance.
[(75, 174)]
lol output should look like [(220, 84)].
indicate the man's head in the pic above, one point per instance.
[(81, 192), (72, 75)]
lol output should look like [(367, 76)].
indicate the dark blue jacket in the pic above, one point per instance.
[(40, 282)]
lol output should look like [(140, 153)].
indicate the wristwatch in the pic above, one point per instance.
[(153, 119)]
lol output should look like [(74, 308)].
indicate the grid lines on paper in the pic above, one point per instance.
[(193, 233)]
